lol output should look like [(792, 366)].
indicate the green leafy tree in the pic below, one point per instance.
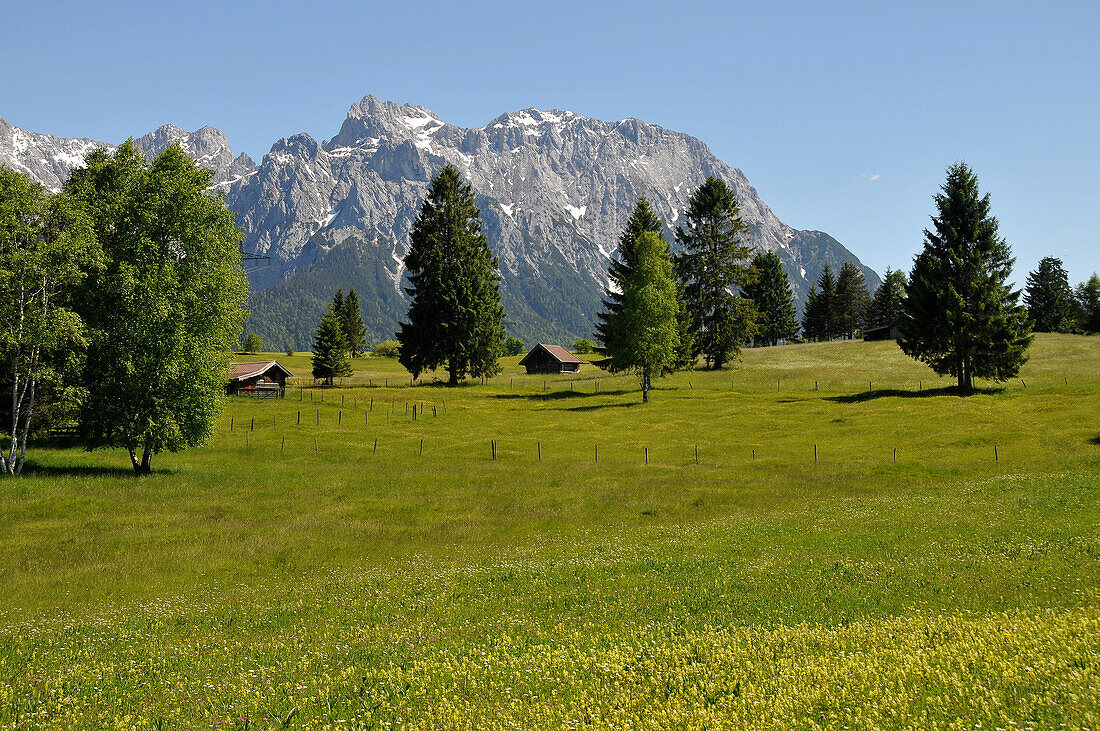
[(770, 291), (584, 346), (642, 219), (165, 311), (886, 306), (253, 343), (455, 317), (819, 318), (330, 350), (647, 337), (351, 319), (46, 249), (1049, 299), (852, 300), (710, 265), (964, 319), (514, 346), (1087, 296), (387, 349)]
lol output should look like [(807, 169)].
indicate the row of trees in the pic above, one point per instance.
[(1053, 306), (340, 337), (121, 298)]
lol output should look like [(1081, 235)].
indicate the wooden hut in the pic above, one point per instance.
[(551, 359), (895, 330), (257, 379)]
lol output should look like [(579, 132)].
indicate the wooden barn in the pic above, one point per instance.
[(551, 359), (257, 379), (894, 331)]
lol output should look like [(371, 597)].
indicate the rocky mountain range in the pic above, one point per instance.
[(554, 189)]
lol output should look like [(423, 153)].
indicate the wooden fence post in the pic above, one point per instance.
[(540, 451)]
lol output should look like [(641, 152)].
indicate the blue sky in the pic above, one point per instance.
[(844, 115)]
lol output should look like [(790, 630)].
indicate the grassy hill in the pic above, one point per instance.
[(339, 563)]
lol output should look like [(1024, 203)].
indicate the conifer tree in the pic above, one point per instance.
[(330, 350), (710, 265), (646, 339), (964, 319), (771, 295), (851, 301), (351, 319), (455, 317), (886, 305), (819, 318), (1087, 296), (642, 219), (1048, 297)]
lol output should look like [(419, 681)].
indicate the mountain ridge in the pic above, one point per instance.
[(554, 189)]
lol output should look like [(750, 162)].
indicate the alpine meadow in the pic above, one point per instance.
[(585, 437)]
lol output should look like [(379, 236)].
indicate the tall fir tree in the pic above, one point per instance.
[(886, 305), (646, 337), (964, 319), (330, 349), (455, 317), (771, 295), (1049, 299), (819, 318), (1087, 296), (351, 319), (851, 301), (711, 265)]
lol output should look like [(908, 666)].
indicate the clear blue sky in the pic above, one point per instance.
[(844, 115)]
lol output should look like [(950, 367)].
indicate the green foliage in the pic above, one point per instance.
[(710, 265), (964, 319), (351, 320), (387, 349), (647, 337), (819, 318), (642, 219), (1087, 296), (887, 304), (1049, 299), (167, 307), (584, 346), (514, 346), (771, 295), (46, 249), (852, 300), (455, 317), (289, 353), (330, 350), (253, 343)]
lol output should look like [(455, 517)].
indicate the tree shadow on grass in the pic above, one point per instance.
[(595, 407), (1095, 440), (858, 398), (32, 469), (560, 395)]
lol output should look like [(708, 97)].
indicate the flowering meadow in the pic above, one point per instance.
[(307, 578)]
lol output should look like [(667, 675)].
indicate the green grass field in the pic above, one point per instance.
[(297, 575)]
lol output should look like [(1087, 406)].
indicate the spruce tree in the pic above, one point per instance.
[(851, 301), (642, 219), (710, 265), (771, 295), (646, 338), (964, 319), (351, 319), (1087, 296), (455, 317), (1048, 297), (819, 319), (330, 350), (886, 305)]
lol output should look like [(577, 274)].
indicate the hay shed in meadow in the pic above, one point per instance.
[(550, 359), (257, 379)]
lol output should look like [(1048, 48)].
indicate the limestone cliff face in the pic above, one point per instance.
[(554, 189)]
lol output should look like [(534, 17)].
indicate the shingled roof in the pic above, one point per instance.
[(556, 351), (241, 371)]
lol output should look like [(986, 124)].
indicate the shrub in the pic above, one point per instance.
[(253, 343), (584, 346), (387, 349), (514, 346)]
